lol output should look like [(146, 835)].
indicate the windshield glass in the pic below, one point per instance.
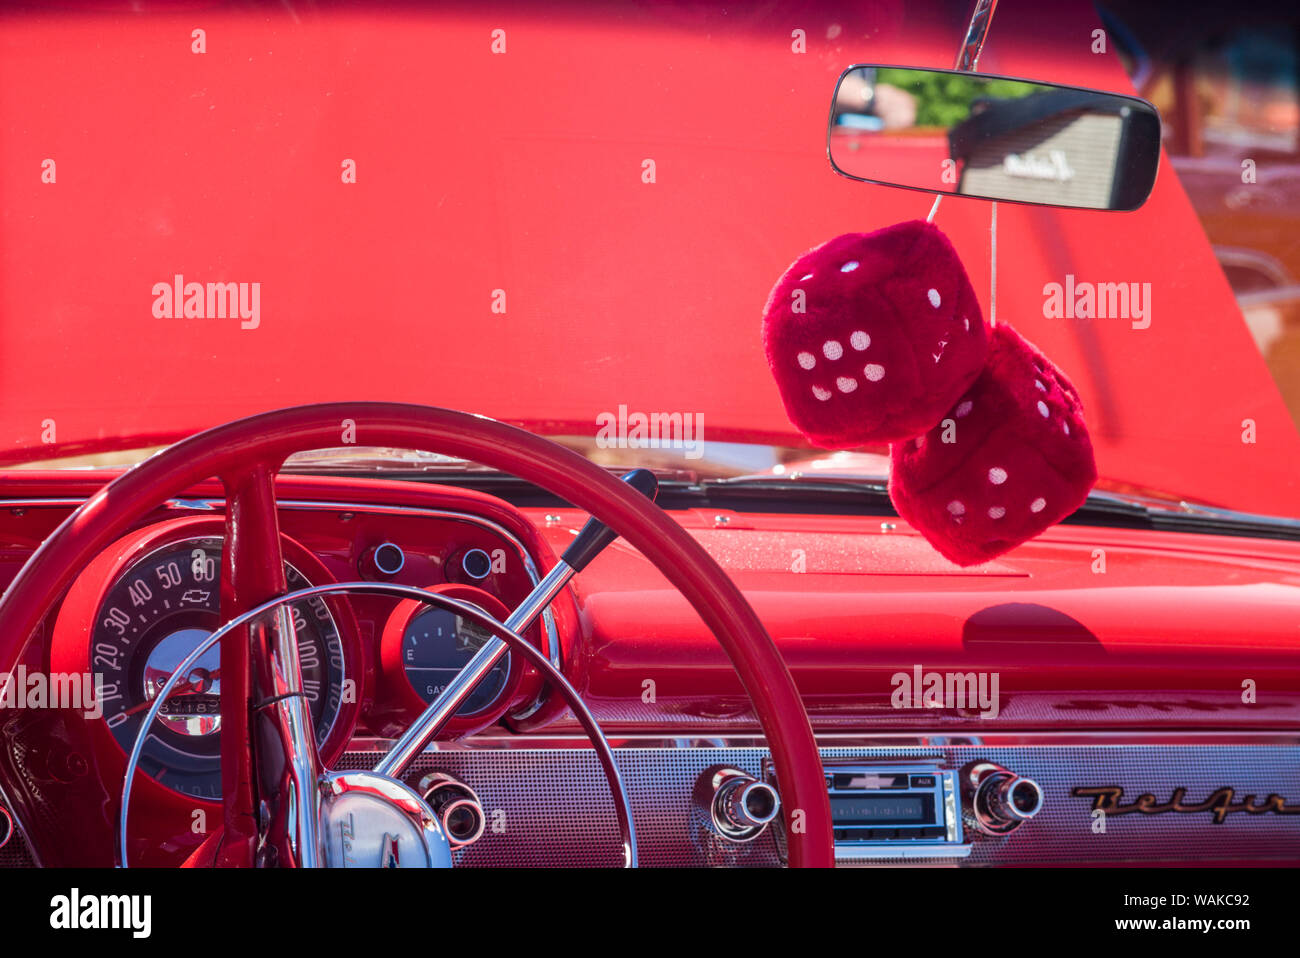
[(569, 217)]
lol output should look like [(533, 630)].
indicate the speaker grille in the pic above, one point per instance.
[(552, 807)]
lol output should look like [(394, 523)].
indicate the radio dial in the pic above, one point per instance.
[(1001, 800), (738, 806)]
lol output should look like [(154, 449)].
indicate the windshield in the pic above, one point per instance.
[(569, 217)]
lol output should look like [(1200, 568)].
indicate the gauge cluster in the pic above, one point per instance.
[(370, 663)]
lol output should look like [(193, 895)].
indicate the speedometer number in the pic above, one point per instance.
[(174, 604)]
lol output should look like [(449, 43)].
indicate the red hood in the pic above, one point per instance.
[(523, 173)]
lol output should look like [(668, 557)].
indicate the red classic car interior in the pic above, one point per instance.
[(365, 305)]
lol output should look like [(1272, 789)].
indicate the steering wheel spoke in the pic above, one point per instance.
[(269, 761)]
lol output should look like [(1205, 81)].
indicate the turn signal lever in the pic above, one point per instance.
[(1000, 800), (595, 535)]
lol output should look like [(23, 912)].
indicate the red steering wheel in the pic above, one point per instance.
[(246, 454)]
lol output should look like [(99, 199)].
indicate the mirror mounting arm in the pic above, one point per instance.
[(968, 55)]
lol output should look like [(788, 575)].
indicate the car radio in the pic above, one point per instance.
[(897, 810)]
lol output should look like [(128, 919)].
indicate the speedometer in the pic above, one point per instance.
[(153, 615)]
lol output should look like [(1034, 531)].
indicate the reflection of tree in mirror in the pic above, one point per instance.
[(944, 99)]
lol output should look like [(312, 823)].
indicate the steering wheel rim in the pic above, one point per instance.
[(246, 453)]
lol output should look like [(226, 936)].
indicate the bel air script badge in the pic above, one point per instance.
[(1220, 804)]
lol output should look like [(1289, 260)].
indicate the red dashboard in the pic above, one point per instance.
[(1086, 629)]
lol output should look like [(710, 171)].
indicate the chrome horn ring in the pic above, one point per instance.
[(536, 658)]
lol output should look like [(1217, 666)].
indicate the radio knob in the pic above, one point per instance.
[(1001, 801), (1016, 799), (748, 804), (457, 807), (737, 805)]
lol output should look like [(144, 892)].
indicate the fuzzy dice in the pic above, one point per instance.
[(1017, 460), (872, 337)]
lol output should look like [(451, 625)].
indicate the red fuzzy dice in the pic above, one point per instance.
[(1018, 461), (873, 336)]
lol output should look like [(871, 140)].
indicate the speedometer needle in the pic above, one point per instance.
[(201, 682)]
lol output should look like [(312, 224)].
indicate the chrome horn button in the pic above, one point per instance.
[(372, 821)]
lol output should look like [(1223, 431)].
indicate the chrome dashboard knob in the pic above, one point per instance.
[(738, 805), (457, 807), (748, 803), (1000, 800)]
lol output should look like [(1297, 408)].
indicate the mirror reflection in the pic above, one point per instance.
[(994, 137)]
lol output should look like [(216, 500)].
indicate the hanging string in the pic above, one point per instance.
[(993, 255), (993, 266)]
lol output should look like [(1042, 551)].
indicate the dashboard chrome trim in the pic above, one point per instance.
[(43, 502), (849, 855), (491, 740)]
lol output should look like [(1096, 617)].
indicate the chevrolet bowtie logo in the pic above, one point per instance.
[(388, 854)]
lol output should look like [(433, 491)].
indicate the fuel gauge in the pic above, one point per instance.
[(424, 647), (437, 644)]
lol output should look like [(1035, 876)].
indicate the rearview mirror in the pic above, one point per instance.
[(992, 137)]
